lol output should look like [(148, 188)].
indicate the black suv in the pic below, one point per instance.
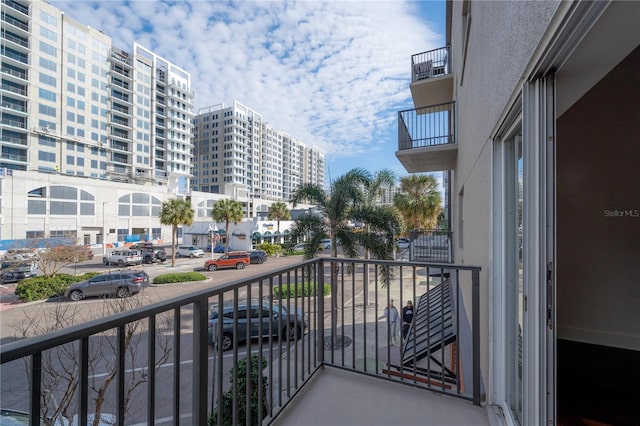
[(257, 256), (149, 253), (265, 318)]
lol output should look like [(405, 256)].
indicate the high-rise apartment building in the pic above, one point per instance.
[(238, 153), (74, 104)]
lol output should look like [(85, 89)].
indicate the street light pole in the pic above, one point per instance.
[(210, 229), (104, 233)]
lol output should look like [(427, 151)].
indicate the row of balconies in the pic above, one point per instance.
[(426, 134)]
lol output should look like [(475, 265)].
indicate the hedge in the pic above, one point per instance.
[(38, 288), (179, 277), (287, 291)]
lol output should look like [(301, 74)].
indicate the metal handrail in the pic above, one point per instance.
[(431, 64), (291, 363), (427, 126)]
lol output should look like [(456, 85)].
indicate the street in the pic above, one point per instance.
[(28, 317)]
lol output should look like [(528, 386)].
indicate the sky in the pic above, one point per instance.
[(332, 74)]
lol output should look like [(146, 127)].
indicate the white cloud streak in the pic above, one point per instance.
[(331, 73)]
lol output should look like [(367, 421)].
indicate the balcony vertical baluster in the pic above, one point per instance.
[(260, 351), (120, 383), (353, 313), (83, 382), (36, 388), (151, 371), (475, 297), (176, 366), (247, 371), (200, 375), (320, 312)]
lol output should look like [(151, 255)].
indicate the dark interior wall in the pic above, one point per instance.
[(598, 212)]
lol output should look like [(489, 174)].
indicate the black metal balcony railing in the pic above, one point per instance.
[(426, 126), (430, 64), (346, 329), (17, 6), (22, 41), (15, 106), (15, 89), (13, 54), (15, 22), (7, 69)]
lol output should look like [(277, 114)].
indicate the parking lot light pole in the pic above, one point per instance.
[(211, 239), (104, 234)]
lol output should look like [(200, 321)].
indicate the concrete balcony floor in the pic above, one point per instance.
[(338, 397)]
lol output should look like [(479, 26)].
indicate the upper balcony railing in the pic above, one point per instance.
[(430, 64), (426, 126), (17, 6), (166, 360)]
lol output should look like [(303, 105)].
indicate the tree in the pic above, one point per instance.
[(227, 211), (419, 201), (371, 214), (238, 376), (61, 366), (345, 201), (52, 258), (279, 211), (175, 212)]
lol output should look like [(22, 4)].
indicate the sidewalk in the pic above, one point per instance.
[(8, 299)]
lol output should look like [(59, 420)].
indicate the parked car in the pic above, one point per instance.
[(150, 253), (189, 251), (266, 319), (325, 244), (299, 247), (219, 248), (20, 254), (119, 284), (233, 259), (402, 243), (16, 271), (258, 256), (123, 258)]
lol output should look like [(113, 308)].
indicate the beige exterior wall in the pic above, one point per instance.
[(501, 41)]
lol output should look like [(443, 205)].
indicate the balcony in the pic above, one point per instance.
[(328, 358), (432, 77), (426, 138), (17, 6)]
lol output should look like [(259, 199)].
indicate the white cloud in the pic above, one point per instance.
[(332, 74)]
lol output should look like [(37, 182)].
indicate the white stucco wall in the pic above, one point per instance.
[(503, 37)]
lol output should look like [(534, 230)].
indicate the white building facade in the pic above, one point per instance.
[(238, 152), (77, 105)]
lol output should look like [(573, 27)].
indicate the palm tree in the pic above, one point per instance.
[(279, 211), (344, 201), (227, 211), (372, 213), (175, 212), (419, 201)]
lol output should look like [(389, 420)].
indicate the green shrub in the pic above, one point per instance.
[(239, 376), (270, 249), (179, 277), (287, 291), (39, 288)]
